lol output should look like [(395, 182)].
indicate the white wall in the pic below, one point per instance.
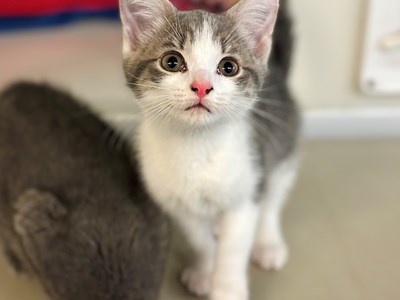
[(328, 55), (83, 57)]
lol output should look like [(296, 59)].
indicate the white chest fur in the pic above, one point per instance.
[(202, 174)]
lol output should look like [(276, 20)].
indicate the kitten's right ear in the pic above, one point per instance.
[(140, 18)]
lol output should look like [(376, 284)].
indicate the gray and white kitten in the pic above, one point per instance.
[(218, 137), (73, 212)]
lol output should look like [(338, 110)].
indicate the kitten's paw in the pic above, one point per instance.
[(196, 281), (229, 293), (270, 256)]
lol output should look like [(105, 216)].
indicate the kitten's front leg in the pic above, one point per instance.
[(197, 277), (270, 251), (234, 245)]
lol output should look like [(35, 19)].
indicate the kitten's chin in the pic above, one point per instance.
[(192, 120), (197, 118)]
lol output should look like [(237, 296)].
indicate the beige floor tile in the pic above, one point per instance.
[(342, 225)]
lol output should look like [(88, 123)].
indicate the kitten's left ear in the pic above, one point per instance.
[(140, 18), (257, 18)]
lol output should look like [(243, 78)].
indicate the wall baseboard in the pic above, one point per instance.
[(361, 123), (352, 123)]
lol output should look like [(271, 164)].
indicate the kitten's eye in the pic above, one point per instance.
[(228, 67), (173, 62)]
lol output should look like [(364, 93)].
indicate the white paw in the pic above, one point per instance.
[(229, 293), (198, 282), (270, 256)]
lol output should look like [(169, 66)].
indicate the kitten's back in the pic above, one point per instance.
[(72, 208)]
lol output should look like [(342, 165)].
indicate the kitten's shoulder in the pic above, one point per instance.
[(26, 96)]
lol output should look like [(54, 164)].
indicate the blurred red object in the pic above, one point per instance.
[(210, 5), (20, 8), (182, 4)]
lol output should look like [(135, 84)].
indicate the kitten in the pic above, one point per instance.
[(73, 212), (217, 141)]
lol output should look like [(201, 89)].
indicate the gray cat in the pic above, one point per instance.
[(218, 136), (73, 212)]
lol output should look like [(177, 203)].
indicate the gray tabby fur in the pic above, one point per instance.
[(225, 157), (275, 116)]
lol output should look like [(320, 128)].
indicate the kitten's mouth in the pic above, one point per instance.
[(198, 106)]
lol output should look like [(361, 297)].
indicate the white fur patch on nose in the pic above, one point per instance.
[(201, 76), (205, 53)]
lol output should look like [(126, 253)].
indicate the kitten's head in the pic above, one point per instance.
[(195, 69)]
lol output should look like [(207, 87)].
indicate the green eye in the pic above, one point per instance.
[(228, 67), (173, 62)]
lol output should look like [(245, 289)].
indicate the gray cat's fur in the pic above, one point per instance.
[(73, 212)]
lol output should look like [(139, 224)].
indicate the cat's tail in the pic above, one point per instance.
[(282, 48)]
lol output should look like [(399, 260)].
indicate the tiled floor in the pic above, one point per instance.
[(342, 224)]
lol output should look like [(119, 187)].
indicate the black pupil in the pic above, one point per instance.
[(172, 62), (228, 67)]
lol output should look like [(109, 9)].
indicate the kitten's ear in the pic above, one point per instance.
[(140, 18), (257, 18)]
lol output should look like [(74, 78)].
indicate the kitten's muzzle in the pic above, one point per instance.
[(198, 105)]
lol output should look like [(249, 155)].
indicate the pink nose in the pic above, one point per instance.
[(202, 88)]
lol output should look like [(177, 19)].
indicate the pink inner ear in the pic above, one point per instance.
[(264, 36), (271, 20), (262, 46), (140, 16), (258, 17), (135, 17), (127, 20)]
